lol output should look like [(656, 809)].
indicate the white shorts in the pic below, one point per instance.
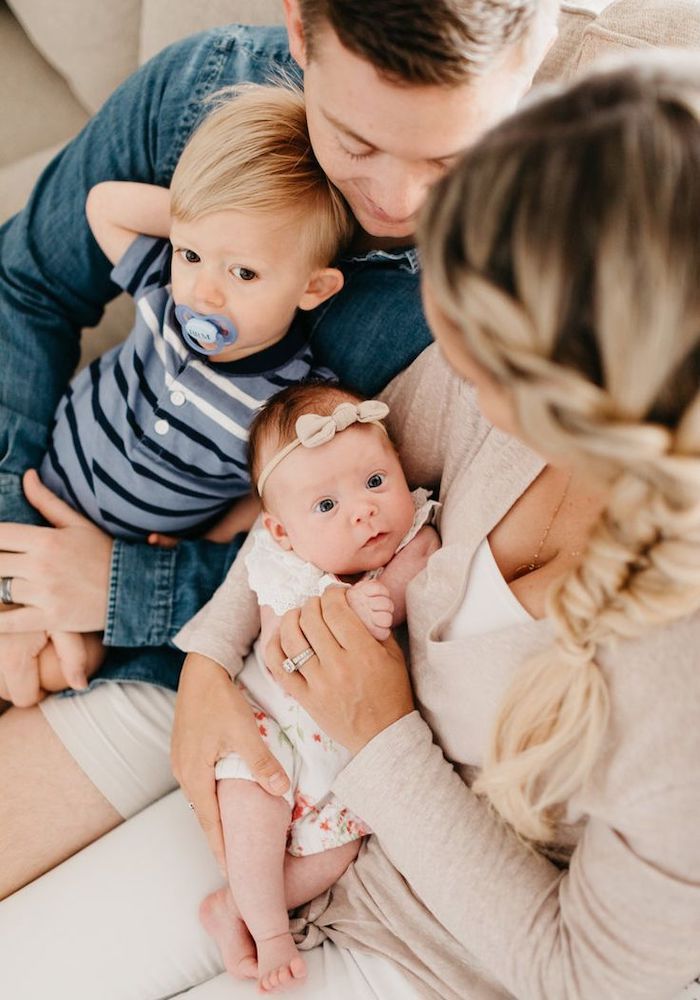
[(119, 735)]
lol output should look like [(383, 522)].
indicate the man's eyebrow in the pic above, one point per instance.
[(348, 131)]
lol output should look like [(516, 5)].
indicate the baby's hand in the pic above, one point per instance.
[(371, 602)]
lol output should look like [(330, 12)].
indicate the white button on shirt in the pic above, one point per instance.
[(177, 398), (161, 427)]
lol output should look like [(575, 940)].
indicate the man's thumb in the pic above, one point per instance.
[(51, 507)]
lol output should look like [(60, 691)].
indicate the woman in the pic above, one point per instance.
[(562, 279), (547, 846)]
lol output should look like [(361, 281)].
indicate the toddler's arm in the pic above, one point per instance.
[(239, 517), (118, 211)]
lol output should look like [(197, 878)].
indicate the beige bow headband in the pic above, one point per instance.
[(313, 429)]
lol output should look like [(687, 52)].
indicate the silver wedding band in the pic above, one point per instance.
[(292, 663), (6, 590)]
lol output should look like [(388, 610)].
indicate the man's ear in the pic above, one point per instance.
[(277, 530), (322, 284), (295, 32)]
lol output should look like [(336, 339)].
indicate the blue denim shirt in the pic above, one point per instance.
[(54, 280)]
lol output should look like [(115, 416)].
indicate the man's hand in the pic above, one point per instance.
[(212, 719), (372, 603), (60, 575)]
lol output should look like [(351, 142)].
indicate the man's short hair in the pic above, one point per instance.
[(421, 41), (252, 153)]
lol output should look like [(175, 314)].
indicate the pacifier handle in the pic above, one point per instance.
[(199, 331)]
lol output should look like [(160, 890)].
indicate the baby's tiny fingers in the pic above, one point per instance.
[(382, 618), (380, 633), (382, 604)]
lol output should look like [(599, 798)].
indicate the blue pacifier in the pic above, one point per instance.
[(205, 334)]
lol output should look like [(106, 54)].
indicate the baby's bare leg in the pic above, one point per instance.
[(304, 879), (258, 903), (255, 834)]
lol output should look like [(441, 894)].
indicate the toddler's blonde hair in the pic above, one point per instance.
[(252, 153)]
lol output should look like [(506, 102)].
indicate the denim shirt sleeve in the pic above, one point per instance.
[(54, 280)]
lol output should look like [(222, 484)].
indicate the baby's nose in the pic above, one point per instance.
[(364, 511)]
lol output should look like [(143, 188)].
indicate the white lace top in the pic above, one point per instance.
[(284, 581)]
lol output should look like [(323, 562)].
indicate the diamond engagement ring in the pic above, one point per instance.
[(6, 590), (292, 663)]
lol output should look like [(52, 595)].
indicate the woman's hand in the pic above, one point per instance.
[(60, 575), (212, 719), (355, 686)]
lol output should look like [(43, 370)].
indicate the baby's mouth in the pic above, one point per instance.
[(374, 539)]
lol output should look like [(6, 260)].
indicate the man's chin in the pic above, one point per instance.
[(380, 229)]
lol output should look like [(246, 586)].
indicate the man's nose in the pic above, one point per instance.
[(401, 191)]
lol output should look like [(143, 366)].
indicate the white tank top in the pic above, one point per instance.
[(489, 603)]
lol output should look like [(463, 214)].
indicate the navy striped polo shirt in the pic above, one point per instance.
[(152, 436)]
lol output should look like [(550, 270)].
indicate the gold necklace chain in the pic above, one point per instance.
[(530, 567)]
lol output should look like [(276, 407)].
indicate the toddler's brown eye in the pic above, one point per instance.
[(244, 273)]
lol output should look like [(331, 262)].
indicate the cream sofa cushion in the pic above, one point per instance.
[(93, 44), (38, 109), (165, 21), (625, 24)]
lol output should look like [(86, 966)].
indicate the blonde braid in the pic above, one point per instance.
[(598, 343)]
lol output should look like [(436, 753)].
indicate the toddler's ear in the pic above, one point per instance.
[(277, 531), (322, 284)]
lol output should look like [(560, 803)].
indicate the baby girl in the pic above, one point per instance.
[(336, 511)]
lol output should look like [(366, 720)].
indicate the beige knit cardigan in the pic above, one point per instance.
[(443, 887)]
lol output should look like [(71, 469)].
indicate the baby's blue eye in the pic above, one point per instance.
[(244, 273), (375, 481), (326, 505)]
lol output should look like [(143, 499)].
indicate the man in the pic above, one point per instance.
[(394, 92)]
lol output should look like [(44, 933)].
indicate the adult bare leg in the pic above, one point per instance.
[(50, 808)]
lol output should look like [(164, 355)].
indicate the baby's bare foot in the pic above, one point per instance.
[(221, 920), (280, 965)]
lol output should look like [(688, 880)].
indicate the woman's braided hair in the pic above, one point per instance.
[(566, 248)]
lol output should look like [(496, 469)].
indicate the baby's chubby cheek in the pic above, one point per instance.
[(405, 511)]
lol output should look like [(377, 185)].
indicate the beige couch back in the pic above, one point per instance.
[(95, 45)]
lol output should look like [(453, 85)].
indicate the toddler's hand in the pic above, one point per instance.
[(69, 659), (162, 541), (371, 602), (19, 668)]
